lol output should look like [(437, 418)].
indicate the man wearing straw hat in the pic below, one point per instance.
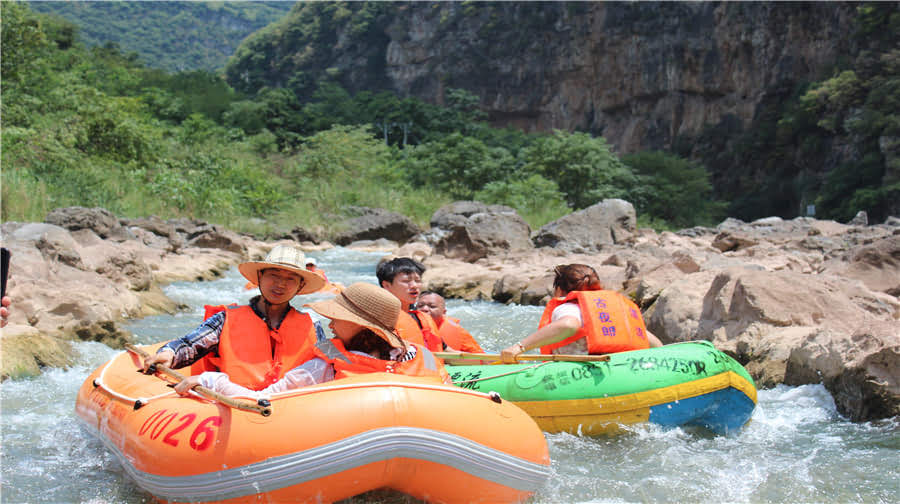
[(363, 319), (255, 344)]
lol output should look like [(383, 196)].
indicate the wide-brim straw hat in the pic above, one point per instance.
[(367, 305), (288, 259)]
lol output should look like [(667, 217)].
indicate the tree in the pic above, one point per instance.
[(22, 39), (457, 165), (673, 189), (583, 167)]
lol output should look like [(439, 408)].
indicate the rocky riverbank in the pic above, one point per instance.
[(799, 301)]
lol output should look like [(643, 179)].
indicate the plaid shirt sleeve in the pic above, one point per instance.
[(197, 343)]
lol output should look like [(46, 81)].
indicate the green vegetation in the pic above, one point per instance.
[(173, 36), (831, 143), (96, 127)]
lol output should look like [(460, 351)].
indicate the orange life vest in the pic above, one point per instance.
[(458, 338), (419, 327), (245, 346), (347, 363), (610, 321)]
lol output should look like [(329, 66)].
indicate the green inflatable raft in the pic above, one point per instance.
[(689, 383)]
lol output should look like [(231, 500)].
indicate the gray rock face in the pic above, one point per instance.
[(606, 223), (642, 73), (158, 227), (98, 220), (459, 213), (471, 230), (375, 223)]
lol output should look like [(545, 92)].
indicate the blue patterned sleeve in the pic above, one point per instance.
[(197, 343)]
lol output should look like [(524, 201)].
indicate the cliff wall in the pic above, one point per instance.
[(640, 74)]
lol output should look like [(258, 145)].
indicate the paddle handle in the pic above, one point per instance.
[(546, 357), (210, 394)]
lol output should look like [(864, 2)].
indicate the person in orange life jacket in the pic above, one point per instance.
[(255, 344), (311, 266), (402, 277), (563, 329), (453, 334), (362, 317)]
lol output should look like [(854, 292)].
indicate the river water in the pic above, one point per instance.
[(795, 449)]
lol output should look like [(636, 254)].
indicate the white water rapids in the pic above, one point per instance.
[(795, 449)]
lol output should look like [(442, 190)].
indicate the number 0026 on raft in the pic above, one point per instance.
[(321, 443)]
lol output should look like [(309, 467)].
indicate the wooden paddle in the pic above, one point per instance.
[(529, 357), (263, 409)]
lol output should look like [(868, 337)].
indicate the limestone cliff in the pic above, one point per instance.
[(641, 74), (710, 81)]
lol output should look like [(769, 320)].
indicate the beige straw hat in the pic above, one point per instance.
[(367, 305), (288, 259)]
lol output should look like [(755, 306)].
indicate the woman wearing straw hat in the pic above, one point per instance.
[(363, 319), (255, 344)]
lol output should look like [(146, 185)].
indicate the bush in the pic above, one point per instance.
[(583, 167), (456, 165), (346, 152), (535, 198), (673, 190)]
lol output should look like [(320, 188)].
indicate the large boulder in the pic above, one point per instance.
[(471, 231), (55, 243), (606, 223), (79, 278), (98, 220), (459, 212), (154, 231), (876, 264), (375, 223)]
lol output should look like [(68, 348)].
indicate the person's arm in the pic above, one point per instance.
[(653, 340), (185, 351), (551, 333), (309, 373)]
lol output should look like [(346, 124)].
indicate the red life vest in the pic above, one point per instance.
[(419, 327), (458, 338), (610, 321), (246, 350), (347, 363)]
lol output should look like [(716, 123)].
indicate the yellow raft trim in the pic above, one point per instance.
[(607, 415)]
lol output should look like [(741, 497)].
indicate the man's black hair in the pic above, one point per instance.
[(387, 270)]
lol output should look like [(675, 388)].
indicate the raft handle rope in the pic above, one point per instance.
[(137, 401), (203, 392)]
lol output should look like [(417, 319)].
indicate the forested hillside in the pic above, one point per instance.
[(787, 105), (174, 36), (92, 126)]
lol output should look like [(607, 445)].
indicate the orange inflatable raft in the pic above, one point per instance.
[(316, 444)]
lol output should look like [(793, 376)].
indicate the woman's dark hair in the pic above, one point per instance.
[(576, 277), (367, 341), (387, 270)]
